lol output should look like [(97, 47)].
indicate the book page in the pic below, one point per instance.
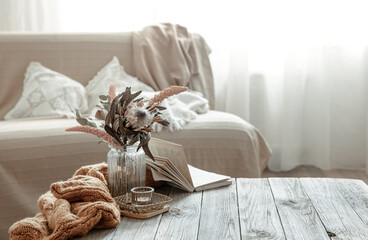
[(172, 164), (213, 185), (161, 171), (174, 153), (171, 167), (160, 177), (205, 180), (164, 166)]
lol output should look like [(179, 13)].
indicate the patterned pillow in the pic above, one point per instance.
[(113, 72), (47, 93)]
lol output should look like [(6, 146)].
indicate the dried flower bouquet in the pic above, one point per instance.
[(127, 120)]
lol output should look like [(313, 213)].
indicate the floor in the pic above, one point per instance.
[(307, 171)]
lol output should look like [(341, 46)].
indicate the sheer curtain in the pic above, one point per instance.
[(29, 16), (296, 69)]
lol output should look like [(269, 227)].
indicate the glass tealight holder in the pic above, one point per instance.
[(142, 195)]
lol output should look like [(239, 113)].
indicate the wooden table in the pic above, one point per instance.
[(274, 208)]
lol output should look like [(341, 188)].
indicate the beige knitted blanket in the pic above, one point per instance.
[(71, 208), (167, 54)]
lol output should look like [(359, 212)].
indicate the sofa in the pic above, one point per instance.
[(35, 152)]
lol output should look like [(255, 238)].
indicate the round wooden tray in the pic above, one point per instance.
[(158, 203)]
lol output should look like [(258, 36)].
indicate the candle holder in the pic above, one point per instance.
[(159, 204), (142, 195)]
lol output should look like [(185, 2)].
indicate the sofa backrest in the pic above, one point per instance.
[(78, 56)]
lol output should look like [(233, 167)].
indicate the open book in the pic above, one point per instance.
[(171, 166)]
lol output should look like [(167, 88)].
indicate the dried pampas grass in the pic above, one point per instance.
[(94, 131), (166, 93), (112, 92)]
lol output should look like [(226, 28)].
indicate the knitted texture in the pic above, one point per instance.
[(71, 208)]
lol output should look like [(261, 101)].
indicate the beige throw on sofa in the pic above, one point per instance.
[(71, 208), (167, 54)]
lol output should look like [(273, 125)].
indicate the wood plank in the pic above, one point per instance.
[(131, 228), (219, 214), (356, 193), (258, 215), (182, 221), (297, 214), (100, 234), (337, 215)]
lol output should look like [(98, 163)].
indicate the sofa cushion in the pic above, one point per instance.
[(114, 73), (48, 93)]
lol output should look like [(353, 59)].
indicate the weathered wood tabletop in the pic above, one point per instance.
[(273, 208)]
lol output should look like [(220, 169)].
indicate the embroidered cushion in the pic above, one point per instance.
[(48, 93)]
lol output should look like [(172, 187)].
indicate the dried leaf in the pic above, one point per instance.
[(124, 97), (146, 138), (104, 97), (108, 119), (118, 108), (132, 97), (107, 106), (91, 124), (141, 138), (115, 127), (160, 108), (121, 126), (148, 151), (112, 113), (116, 142), (78, 113), (164, 122), (101, 114), (134, 139), (113, 134), (138, 100), (129, 132), (82, 121)]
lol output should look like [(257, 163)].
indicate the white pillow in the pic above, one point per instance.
[(46, 92), (113, 72)]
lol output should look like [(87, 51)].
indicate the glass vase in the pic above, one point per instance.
[(126, 169)]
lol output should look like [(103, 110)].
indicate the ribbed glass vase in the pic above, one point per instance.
[(126, 169)]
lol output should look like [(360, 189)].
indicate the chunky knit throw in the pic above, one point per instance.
[(71, 208)]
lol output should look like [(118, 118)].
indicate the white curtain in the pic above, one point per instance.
[(29, 16), (296, 69)]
